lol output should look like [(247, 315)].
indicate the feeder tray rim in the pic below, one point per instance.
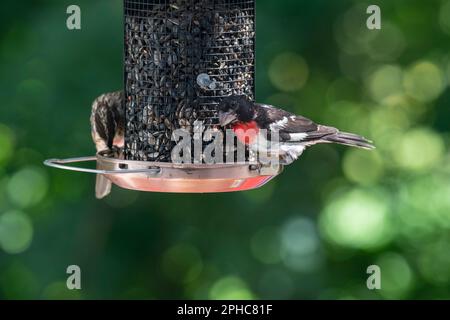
[(148, 166), (174, 178)]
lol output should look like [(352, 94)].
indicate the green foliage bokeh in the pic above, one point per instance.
[(310, 233)]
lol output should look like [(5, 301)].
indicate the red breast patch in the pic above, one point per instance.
[(247, 132)]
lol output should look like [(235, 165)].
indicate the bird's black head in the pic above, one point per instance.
[(235, 109)]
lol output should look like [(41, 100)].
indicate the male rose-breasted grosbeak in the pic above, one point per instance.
[(295, 133), (108, 129)]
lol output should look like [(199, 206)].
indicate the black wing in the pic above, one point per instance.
[(290, 127)]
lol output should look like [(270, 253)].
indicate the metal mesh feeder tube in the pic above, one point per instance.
[(181, 58)]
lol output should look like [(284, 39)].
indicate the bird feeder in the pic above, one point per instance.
[(181, 57)]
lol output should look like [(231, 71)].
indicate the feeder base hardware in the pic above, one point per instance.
[(175, 178)]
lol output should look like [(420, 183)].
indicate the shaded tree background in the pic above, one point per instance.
[(311, 233)]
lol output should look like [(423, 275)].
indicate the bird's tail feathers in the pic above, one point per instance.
[(102, 186), (349, 139)]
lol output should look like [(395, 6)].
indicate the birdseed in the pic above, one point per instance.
[(181, 58)]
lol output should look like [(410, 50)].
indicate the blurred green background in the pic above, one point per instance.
[(311, 233)]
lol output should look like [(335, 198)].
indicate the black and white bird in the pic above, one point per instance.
[(295, 133), (108, 129)]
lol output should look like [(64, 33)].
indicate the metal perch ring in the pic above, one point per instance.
[(171, 177)]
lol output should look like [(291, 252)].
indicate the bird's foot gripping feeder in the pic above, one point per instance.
[(181, 58)]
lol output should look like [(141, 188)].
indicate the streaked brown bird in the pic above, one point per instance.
[(108, 129)]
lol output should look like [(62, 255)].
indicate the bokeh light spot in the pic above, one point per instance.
[(182, 263), (288, 72), (352, 34), (357, 219), (28, 187), (230, 288), (397, 276), (18, 282), (419, 149), (363, 167), (265, 245), (341, 89), (300, 245), (434, 262), (32, 88), (16, 232), (386, 122), (387, 44), (355, 38), (386, 82), (430, 194), (444, 17), (424, 81), (355, 119), (424, 207), (276, 284), (6, 143)]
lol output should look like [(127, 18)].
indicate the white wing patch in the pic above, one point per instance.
[(297, 136), (280, 124), (289, 152), (293, 150)]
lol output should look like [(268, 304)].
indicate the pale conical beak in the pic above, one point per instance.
[(226, 118)]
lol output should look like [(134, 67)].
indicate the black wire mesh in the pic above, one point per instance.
[(181, 58)]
